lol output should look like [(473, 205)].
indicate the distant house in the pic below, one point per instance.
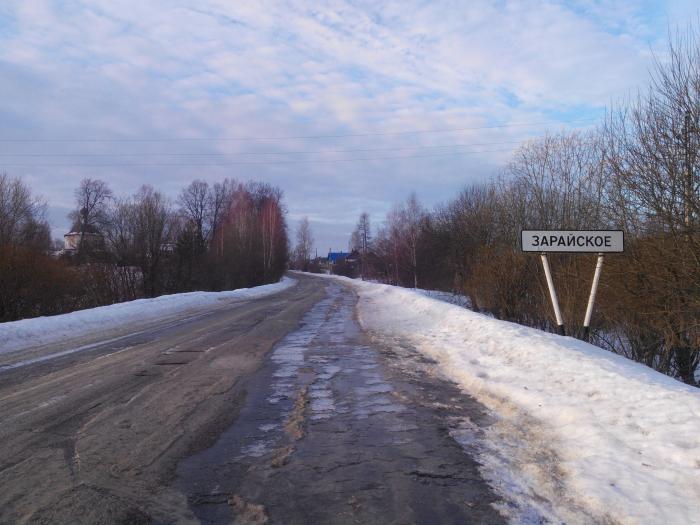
[(335, 257), (90, 237), (343, 263), (326, 264)]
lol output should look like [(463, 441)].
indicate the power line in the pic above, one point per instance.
[(299, 161), (292, 137), (245, 153)]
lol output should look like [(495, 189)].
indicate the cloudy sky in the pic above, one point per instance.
[(348, 106)]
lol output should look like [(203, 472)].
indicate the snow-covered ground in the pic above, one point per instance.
[(17, 335), (580, 434), (445, 297)]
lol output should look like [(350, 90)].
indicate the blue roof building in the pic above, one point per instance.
[(334, 257)]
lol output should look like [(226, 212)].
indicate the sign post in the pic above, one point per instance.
[(591, 298), (553, 295), (573, 241)]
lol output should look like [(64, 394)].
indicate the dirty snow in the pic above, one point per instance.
[(582, 435), (17, 335)]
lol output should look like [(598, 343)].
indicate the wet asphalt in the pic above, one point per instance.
[(337, 428)]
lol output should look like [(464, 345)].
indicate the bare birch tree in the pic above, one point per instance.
[(412, 216), (304, 244)]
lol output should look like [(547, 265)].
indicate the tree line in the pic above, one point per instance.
[(637, 171), (213, 237)]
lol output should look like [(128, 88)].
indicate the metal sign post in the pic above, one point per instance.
[(573, 241), (553, 295), (591, 298)]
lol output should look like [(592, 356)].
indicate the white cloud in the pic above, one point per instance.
[(120, 68)]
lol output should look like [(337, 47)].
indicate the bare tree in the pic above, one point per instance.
[(92, 198), (251, 240), (221, 202), (652, 157), (304, 244), (240, 232), (22, 215), (465, 227), (139, 235), (355, 244), (152, 223), (121, 243), (196, 204), (31, 282), (412, 216), (363, 236), (273, 227)]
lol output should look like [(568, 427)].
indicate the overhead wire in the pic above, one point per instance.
[(212, 155), (289, 161), (246, 153), (291, 137)]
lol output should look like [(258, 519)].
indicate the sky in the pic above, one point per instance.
[(347, 106)]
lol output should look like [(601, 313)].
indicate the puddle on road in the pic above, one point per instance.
[(330, 432)]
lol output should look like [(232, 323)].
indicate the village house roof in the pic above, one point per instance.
[(334, 257)]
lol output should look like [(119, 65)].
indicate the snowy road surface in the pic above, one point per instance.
[(337, 430), (95, 435), (334, 401), (276, 407)]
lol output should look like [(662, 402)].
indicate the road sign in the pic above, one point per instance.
[(577, 241), (581, 241)]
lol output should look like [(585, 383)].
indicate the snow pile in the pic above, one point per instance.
[(592, 433), (17, 335)]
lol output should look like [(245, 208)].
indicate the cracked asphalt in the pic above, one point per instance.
[(273, 410), (337, 429)]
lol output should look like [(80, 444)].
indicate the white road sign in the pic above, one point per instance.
[(596, 241)]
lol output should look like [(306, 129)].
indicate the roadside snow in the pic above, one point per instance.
[(582, 435), (445, 297), (17, 335)]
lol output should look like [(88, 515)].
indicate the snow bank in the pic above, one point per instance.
[(445, 297), (17, 335), (617, 441)]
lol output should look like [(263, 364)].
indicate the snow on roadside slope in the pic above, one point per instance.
[(17, 335), (624, 439), (445, 297)]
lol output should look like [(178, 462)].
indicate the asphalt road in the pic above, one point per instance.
[(272, 410)]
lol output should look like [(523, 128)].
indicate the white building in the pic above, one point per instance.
[(72, 240)]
